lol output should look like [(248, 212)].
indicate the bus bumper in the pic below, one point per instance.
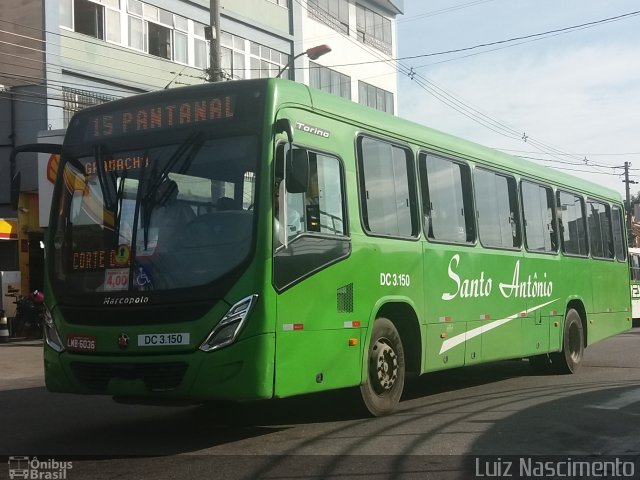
[(241, 371)]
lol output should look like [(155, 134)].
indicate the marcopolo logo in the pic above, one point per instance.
[(125, 300), (32, 468)]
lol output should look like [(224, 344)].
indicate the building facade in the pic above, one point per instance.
[(59, 56)]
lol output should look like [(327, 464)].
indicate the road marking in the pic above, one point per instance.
[(621, 401)]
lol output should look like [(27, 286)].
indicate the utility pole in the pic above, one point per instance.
[(627, 182), (214, 46)]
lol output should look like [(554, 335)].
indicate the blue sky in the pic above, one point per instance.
[(574, 95)]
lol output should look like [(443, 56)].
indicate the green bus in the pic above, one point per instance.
[(258, 239), (634, 273)]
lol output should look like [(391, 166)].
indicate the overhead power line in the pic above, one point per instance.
[(428, 85)]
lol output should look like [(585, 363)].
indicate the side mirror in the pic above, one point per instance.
[(297, 175), (283, 125), (15, 191), (15, 179)]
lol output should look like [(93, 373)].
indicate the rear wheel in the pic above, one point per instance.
[(383, 387), (570, 358)]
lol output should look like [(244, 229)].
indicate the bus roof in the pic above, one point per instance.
[(389, 125), (382, 123)]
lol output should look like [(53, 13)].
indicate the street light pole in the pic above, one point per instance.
[(214, 48), (313, 53)]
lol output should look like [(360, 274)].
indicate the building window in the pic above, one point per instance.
[(200, 46), (163, 34), (96, 18), (233, 56), (334, 13), (75, 100), (375, 97), (150, 29), (265, 62), (181, 39), (159, 40), (88, 18), (329, 81), (238, 53), (373, 29), (281, 3), (113, 26)]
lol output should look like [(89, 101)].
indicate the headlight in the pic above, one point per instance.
[(51, 335), (227, 329)]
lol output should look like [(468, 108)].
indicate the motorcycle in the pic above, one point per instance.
[(29, 319)]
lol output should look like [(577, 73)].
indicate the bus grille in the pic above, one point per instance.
[(345, 299), (156, 376)]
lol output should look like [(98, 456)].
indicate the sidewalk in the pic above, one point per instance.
[(21, 364)]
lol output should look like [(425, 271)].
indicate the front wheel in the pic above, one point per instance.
[(570, 358), (383, 387)]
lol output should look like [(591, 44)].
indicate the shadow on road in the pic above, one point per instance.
[(40, 423)]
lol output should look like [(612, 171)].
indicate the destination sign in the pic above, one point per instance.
[(161, 116), (120, 164), (98, 260)]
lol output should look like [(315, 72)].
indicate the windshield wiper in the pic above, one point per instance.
[(119, 199), (186, 150), (107, 182)]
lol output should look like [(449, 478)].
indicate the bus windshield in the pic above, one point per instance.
[(161, 216)]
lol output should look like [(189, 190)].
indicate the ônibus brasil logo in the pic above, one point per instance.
[(32, 468)]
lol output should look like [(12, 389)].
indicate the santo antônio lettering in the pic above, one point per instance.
[(163, 116), (532, 286)]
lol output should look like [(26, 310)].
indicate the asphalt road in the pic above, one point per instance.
[(446, 422)]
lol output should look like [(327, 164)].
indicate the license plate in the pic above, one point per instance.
[(81, 343), (163, 339)]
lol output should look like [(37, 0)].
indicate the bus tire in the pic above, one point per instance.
[(570, 358), (384, 383)]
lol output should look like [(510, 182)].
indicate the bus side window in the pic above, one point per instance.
[(618, 233), (447, 200), (320, 209), (635, 267), (573, 230), (388, 195), (497, 204), (600, 234), (539, 217)]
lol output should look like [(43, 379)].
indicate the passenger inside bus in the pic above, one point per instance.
[(170, 216)]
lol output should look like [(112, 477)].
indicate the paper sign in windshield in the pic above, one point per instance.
[(116, 279)]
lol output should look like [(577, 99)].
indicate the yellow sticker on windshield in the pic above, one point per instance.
[(122, 254)]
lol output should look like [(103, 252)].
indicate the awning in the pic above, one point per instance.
[(8, 229)]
